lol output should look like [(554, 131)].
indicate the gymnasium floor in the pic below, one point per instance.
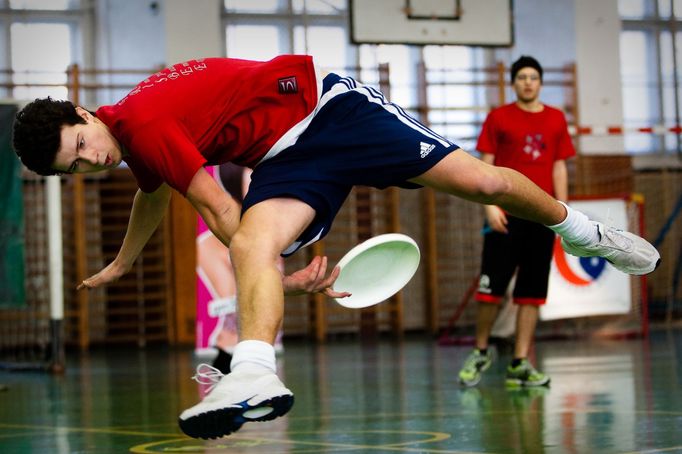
[(606, 397)]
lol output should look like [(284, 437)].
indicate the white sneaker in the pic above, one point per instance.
[(235, 398), (626, 251)]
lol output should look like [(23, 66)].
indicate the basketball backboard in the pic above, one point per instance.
[(459, 22)]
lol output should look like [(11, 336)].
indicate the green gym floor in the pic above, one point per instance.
[(605, 397)]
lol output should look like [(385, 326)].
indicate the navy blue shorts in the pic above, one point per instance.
[(356, 138)]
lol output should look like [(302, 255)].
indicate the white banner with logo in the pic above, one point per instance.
[(580, 287)]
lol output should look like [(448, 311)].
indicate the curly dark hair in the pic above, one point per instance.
[(37, 132)]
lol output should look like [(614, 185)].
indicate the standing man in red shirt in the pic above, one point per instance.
[(532, 138), (310, 137)]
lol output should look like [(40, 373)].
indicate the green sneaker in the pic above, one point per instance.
[(474, 366), (525, 375)]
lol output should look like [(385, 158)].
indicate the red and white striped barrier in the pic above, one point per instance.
[(619, 130)]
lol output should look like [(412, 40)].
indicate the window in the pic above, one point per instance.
[(263, 29), (327, 44), (249, 6), (44, 39), (651, 58), (402, 63), (255, 42), (40, 4), (40, 53), (453, 96), (319, 6)]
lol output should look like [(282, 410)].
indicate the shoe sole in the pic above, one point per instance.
[(578, 252), (640, 272), (218, 423), (518, 383)]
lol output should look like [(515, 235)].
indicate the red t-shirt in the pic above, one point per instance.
[(529, 142), (208, 112)]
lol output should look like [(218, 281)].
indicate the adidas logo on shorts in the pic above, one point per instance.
[(426, 148)]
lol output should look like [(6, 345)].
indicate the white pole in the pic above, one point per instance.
[(53, 200)]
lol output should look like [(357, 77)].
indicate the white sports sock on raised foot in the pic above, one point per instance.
[(576, 228), (253, 355)]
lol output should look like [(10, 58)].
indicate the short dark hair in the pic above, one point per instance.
[(525, 61), (37, 132)]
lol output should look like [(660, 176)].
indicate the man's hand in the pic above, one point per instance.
[(497, 219), (111, 273), (311, 279)]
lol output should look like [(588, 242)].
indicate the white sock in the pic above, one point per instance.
[(576, 228), (253, 355)]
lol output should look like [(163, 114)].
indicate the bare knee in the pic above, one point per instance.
[(239, 246), (242, 247), (254, 248)]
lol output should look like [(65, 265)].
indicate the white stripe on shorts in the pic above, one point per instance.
[(345, 85), (377, 97)]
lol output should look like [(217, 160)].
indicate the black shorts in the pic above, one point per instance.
[(527, 248), (357, 138), (231, 178)]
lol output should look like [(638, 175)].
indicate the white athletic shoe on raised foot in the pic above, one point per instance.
[(235, 398), (626, 251)]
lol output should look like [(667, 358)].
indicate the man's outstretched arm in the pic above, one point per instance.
[(145, 216)]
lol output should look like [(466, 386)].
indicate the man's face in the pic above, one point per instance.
[(527, 84), (86, 148)]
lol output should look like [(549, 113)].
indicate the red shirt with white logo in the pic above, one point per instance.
[(529, 142), (208, 112)]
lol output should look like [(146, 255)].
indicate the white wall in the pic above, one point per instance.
[(600, 101), (130, 34), (545, 30), (150, 33), (193, 30)]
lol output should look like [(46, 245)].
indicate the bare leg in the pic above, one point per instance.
[(263, 234), (469, 178), (526, 319), (485, 319), (252, 391)]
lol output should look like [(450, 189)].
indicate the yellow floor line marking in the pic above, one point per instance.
[(397, 447)]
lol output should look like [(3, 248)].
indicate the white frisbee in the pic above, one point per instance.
[(376, 269)]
